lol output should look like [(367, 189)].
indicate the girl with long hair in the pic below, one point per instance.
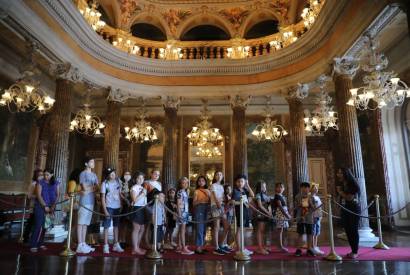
[(201, 205), (262, 204), (138, 201)]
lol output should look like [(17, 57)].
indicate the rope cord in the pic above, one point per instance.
[(371, 217), (270, 217), (119, 215)]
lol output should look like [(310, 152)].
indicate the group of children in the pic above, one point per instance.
[(216, 204)]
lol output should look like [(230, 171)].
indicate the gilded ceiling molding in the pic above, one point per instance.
[(239, 101), (65, 13), (346, 66), (171, 102), (66, 71)]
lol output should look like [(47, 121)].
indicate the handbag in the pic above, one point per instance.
[(48, 221)]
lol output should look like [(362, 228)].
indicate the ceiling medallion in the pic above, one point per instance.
[(385, 89), (269, 130)]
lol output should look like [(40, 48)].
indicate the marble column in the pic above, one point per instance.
[(381, 165), (169, 160), (239, 138), (112, 134), (349, 137), (297, 136)]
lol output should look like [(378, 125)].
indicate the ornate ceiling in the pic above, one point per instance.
[(175, 17)]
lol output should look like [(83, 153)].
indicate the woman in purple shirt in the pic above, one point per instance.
[(46, 193)]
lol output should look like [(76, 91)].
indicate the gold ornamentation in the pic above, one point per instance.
[(235, 15), (175, 17)]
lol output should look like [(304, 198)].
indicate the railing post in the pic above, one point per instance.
[(68, 252), (240, 255), (380, 244), (21, 239), (153, 253), (332, 256)]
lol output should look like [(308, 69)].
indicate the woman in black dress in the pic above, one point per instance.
[(350, 193)]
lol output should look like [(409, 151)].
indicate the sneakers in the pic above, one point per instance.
[(106, 249), (226, 248), (247, 251), (168, 246), (91, 249), (34, 250), (83, 248), (298, 253), (310, 252), (117, 248), (186, 251), (318, 251), (219, 251)]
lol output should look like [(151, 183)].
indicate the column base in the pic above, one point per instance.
[(56, 232), (366, 237)]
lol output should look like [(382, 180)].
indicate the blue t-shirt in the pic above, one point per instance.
[(88, 179)]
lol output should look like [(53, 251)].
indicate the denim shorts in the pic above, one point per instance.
[(183, 219), (316, 227), (115, 220)]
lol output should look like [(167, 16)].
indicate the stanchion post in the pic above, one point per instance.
[(332, 256), (68, 252), (21, 239), (380, 244), (153, 253), (240, 255)]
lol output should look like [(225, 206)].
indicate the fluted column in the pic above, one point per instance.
[(349, 137), (383, 178), (239, 140), (58, 124), (112, 132), (169, 161), (300, 170)]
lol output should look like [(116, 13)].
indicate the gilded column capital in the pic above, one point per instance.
[(117, 95), (346, 66), (240, 101), (297, 92), (171, 102), (66, 71)]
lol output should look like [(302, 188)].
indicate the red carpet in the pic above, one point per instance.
[(365, 254)]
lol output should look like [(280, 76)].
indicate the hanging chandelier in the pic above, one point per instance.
[(123, 42), (86, 122), (171, 51), (92, 16), (385, 89), (323, 117), (269, 130), (237, 51), (142, 130), (26, 96), (310, 13), (208, 150), (202, 133)]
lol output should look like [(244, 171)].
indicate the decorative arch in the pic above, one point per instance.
[(152, 18), (204, 19), (258, 16)]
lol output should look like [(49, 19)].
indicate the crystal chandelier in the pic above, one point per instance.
[(86, 122), (385, 89), (142, 130), (323, 117), (171, 52), (202, 133), (269, 130), (126, 44), (92, 16), (310, 13)]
